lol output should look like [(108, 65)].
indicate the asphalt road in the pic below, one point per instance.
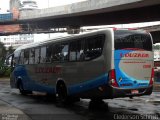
[(14, 106)]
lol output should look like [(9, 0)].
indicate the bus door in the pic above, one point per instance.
[(133, 59)]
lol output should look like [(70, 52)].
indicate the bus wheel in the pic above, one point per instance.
[(21, 89), (61, 93)]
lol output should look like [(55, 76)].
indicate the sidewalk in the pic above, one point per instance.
[(4, 79), (8, 112)]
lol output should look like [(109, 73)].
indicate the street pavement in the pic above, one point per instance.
[(38, 107), (8, 111)]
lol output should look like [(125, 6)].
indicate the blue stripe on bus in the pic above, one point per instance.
[(41, 88), (30, 84), (88, 84)]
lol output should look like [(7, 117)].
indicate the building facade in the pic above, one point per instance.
[(28, 5), (15, 4), (17, 40)]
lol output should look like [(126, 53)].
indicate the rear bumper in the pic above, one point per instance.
[(120, 92), (108, 92)]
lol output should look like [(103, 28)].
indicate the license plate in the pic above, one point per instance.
[(134, 91)]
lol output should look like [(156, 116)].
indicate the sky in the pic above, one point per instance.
[(4, 4)]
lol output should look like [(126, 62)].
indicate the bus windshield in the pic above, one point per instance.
[(125, 39)]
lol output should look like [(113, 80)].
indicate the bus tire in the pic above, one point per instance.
[(21, 89), (61, 91)]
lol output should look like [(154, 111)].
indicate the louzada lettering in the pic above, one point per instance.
[(138, 55)]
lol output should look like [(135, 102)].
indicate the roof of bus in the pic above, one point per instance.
[(62, 38)]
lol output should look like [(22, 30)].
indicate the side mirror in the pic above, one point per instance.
[(8, 61)]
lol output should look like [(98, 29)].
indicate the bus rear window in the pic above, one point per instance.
[(125, 39)]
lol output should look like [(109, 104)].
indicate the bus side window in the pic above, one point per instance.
[(49, 53), (76, 51), (32, 56), (56, 52), (16, 57), (60, 52), (37, 55), (43, 54), (73, 51), (26, 56), (64, 51), (21, 60), (80, 50), (93, 47)]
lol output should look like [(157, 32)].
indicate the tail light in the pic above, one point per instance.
[(114, 29), (112, 78), (152, 77)]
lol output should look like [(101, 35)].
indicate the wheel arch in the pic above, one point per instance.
[(61, 81), (18, 81)]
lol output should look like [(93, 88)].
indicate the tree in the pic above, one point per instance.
[(2, 58), (10, 50), (2, 52)]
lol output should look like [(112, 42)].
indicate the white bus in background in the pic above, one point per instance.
[(156, 49)]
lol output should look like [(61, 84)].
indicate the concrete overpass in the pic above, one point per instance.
[(91, 12)]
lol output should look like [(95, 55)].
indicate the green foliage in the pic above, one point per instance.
[(4, 70), (10, 50), (7, 71), (3, 52)]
